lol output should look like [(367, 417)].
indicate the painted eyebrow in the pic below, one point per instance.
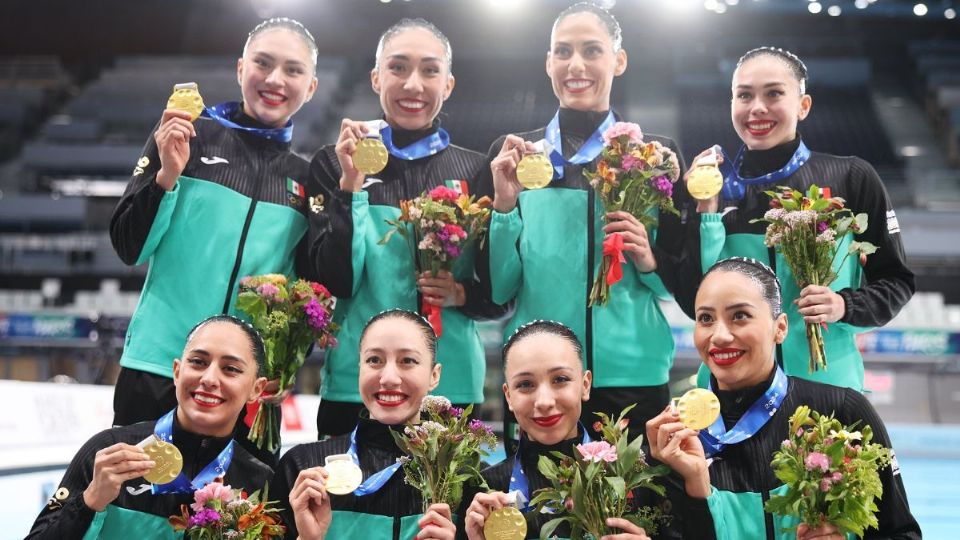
[(728, 308), (270, 57), (551, 370), (406, 58), (768, 85), (381, 350), (229, 357)]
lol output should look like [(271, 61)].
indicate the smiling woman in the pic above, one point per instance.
[(104, 492), (412, 77), (199, 187), (548, 244), (397, 370)]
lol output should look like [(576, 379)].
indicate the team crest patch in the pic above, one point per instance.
[(141, 164), (295, 188), (316, 204)]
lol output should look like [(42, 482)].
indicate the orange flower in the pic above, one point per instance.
[(253, 518), (181, 522), (606, 174)]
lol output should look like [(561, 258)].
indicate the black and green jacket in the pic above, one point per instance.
[(368, 278), (543, 256), (743, 479), (136, 512), (873, 293), (235, 211), (390, 512)]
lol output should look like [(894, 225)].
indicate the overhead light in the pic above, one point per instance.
[(814, 7), (911, 151), (833, 11), (861, 4), (920, 9), (950, 13)]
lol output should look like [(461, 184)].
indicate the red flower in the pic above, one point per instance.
[(319, 289), (443, 194)]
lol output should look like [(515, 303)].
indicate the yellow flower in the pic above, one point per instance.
[(276, 279)]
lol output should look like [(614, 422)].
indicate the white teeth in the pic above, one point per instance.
[(726, 356), (761, 127), (272, 96), (207, 399), (577, 85), (390, 397), (412, 104)]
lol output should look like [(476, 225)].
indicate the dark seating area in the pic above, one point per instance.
[(936, 69)]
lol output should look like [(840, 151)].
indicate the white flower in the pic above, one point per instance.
[(431, 426), (415, 212), (435, 404), (826, 236), (846, 435), (775, 214), (799, 217)]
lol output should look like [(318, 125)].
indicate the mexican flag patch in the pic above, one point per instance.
[(294, 187), (460, 186)]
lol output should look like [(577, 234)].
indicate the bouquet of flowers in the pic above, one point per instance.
[(290, 318), (634, 177), (806, 228), (444, 451), (598, 483), (830, 472), (438, 225), (220, 512)]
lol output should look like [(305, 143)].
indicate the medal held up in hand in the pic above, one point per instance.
[(344, 475), (705, 181), (186, 98), (698, 408), (169, 461), (505, 523), (535, 170)]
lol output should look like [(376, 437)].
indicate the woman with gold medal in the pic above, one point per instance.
[(739, 323), (358, 183), (547, 229), (768, 101), (217, 195), (351, 486), (126, 482), (545, 388)]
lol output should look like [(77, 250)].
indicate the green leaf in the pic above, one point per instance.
[(551, 526), (618, 486)]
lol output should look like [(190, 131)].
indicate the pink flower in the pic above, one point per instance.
[(816, 460), (632, 163), (619, 129), (268, 290), (825, 485), (443, 193), (210, 492), (597, 451)]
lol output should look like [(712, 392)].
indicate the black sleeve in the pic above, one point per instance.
[(330, 236), (669, 246), (66, 516), (479, 304), (893, 515), (688, 517), (482, 184), (890, 284), (283, 479), (134, 214)]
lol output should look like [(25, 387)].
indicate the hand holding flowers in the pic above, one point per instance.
[(831, 473), (290, 318), (807, 229), (598, 483), (632, 179), (444, 452)]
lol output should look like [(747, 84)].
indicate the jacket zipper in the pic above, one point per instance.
[(588, 327), (242, 243)]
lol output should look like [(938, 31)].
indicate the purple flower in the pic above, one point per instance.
[(822, 226), (663, 185), (816, 460), (479, 427), (205, 517), (317, 317), (455, 412)]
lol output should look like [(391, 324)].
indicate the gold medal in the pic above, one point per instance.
[(186, 98), (344, 476), (534, 171), (370, 156), (505, 523), (698, 408), (704, 182), (169, 462)]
